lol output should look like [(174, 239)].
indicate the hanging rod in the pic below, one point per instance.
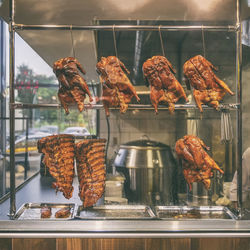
[(231, 106), (127, 27)]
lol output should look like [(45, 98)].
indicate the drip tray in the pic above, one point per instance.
[(32, 211), (115, 212), (187, 213)]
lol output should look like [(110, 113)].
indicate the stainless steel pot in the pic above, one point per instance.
[(150, 172)]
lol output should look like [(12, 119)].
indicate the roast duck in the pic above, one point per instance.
[(117, 88), (164, 87), (208, 88), (197, 165), (59, 153), (90, 160), (73, 87)]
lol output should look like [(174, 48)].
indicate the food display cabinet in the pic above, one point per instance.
[(146, 194)]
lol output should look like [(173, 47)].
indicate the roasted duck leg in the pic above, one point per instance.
[(196, 163), (164, 87), (117, 88), (73, 86)]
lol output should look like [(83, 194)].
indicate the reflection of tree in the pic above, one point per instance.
[(26, 85)]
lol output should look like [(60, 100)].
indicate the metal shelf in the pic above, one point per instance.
[(229, 28), (231, 106)]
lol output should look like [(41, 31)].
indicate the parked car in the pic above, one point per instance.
[(27, 147), (77, 131), (51, 129)]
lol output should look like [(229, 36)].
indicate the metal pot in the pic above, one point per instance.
[(150, 172)]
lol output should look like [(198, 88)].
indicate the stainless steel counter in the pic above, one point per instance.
[(38, 190)]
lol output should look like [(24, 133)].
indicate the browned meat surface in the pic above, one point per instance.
[(208, 88), (59, 159), (196, 163), (63, 213), (45, 212), (163, 85), (73, 87), (90, 160), (117, 88)]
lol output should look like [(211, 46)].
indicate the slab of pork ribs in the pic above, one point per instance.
[(164, 87), (73, 87), (197, 165), (63, 212), (46, 212), (59, 153), (90, 160)]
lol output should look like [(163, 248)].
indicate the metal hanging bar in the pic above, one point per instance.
[(239, 111), (114, 39), (12, 110), (72, 42), (162, 45), (230, 28), (203, 42), (231, 106)]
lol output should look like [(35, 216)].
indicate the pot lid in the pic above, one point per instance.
[(144, 143)]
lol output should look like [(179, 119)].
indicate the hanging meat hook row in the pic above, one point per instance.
[(72, 41), (203, 41), (162, 46), (114, 38)]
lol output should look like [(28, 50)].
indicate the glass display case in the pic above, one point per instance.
[(144, 175)]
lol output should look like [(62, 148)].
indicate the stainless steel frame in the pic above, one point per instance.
[(239, 100), (231, 106), (12, 111), (229, 28), (13, 27)]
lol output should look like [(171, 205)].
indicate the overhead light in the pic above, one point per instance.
[(206, 5)]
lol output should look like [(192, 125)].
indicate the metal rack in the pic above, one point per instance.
[(13, 106)]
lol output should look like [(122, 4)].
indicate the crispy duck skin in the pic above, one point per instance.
[(196, 163), (90, 159), (208, 88), (59, 156), (117, 88), (63, 213), (45, 212), (73, 86), (164, 87)]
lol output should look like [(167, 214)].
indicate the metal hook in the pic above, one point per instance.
[(162, 46), (114, 38), (203, 41), (72, 41)]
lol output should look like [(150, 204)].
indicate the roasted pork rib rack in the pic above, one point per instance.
[(208, 88), (164, 87), (90, 160), (197, 165), (59, 156), (73, 87), (117, 88)]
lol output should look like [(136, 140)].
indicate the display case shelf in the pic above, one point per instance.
[(230, 28), (230, 106)]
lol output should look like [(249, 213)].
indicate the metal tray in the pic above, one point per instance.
[(32, 211), (115, 212), (187, 213)]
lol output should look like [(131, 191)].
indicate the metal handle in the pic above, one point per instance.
[(146, 136)]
